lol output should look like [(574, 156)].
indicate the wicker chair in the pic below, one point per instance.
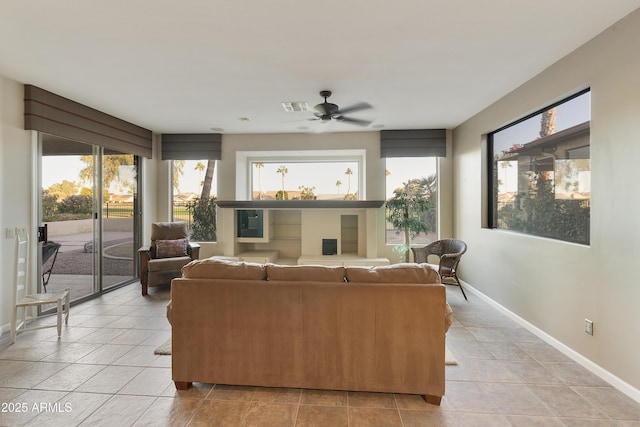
[(449, 252)]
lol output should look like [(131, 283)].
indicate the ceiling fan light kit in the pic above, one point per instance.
[(327, 111)]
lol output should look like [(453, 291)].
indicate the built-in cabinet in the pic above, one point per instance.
[(253, 225), (349, 234), (291, 234)]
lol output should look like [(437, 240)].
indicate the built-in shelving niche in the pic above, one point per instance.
[(285, 228), (349, 234)]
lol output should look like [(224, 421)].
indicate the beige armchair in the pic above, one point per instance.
[(170, 249)]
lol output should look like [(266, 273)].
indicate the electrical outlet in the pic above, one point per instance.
[(588, 326), (10, 233)]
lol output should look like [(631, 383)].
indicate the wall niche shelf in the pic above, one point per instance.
[(300, 204)]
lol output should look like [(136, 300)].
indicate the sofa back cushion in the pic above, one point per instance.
[(395, 273), (315, 273), (210, 268)]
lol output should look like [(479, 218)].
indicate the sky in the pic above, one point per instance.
[(568, 114), (56, 169), (323, 176)]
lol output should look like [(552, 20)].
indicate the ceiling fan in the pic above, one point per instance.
[(328, 111)]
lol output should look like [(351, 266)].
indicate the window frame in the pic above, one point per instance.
[(246, 159), (437, 206), (172, 194), (492, 168)]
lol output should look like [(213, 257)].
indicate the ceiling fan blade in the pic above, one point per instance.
[(356, 107), (358, 122)]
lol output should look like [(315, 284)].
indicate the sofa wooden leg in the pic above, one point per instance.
[(183, 385), (433, 400)]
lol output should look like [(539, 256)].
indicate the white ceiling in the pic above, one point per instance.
[(192, 65)]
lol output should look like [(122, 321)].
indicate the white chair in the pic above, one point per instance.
[(24, 300)]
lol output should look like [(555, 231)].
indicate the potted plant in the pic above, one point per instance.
[(405, 211)]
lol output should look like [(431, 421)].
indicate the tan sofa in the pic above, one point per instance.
[(378, 329)]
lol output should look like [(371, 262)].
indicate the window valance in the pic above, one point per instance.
[(191, 146), (413, 143), (52, 114)]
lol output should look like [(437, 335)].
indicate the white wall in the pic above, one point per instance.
[(374, 179), (15, 185), (369, 141), (156, 191), (232, 144), (551, 284)]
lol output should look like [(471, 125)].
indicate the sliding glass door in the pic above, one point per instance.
[(89, 205), (119, 207)]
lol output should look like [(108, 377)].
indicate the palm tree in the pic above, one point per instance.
[(259, 166), (202, 209), (505, 165), (405, 210), (200, 167), (282, 170), (548, 122), (348, 172), (178, 170), (338, 184), (208, 180)]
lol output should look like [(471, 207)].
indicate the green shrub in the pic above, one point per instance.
[(203, 212), (49, 206), (282, 195), (80, 204)]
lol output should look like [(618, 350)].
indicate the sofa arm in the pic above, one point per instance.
[(193, 249), (170, 313)]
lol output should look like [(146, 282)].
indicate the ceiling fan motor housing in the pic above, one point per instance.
[(328, 111)]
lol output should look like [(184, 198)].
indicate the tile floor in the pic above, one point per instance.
[(103, 372)]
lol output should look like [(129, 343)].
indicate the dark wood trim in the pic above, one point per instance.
[(183, 385), (433, 400)]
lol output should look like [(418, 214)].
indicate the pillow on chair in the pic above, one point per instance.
[(171, 248)]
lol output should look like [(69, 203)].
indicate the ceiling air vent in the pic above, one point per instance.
[(292, 106)]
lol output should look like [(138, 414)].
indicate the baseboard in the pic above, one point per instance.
[(7, 326), (596, 369)]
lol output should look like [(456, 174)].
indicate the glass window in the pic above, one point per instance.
[(305, 180), (194, 197), (541, 170), (412, 200)]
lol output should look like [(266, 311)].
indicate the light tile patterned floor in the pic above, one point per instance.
[(103, 373)]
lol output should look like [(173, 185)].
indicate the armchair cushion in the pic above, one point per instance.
[(168, 230), (164, 264), (171, 248)]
